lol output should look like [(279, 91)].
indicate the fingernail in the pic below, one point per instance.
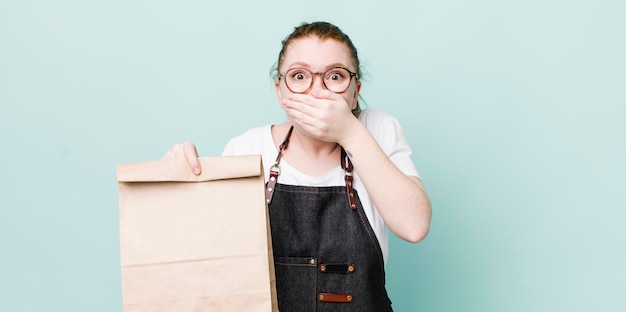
[(196, 170)]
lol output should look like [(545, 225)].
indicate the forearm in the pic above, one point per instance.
[(400, 199)]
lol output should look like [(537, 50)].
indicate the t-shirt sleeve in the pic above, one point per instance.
[(249, 142), (389, 134), (229, 149)]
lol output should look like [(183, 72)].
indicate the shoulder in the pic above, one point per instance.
[(251, 141), (253, 133), (373, 115), (380, 124), (391, 138)]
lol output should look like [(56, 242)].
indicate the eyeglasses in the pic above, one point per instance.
[(300, 80)]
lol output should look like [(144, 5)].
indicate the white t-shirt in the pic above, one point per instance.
[(385, 129)]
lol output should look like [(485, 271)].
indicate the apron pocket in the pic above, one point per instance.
[(296, 283)]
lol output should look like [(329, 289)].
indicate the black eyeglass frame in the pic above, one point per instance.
[(321, 74)]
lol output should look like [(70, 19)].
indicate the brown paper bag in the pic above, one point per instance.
[(195, 243)]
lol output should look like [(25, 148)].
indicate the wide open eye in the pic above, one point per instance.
[(297, 74), (337, 75)]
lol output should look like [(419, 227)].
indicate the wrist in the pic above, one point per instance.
[(353, 133)]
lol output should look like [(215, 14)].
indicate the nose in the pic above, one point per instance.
[(317, 85)]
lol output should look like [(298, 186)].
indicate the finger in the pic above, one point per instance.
[(296, 115), (191, 154), (307, 100), (321, 94), (302, 106)]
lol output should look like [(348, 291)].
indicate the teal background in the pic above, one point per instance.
[(515, 111)]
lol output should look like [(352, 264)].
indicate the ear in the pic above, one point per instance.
[(277, 87)]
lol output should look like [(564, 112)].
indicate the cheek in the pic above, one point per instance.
[(351, 97), (281, 89), (350, 100)]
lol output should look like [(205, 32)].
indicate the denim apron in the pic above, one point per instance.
[(326, 255)]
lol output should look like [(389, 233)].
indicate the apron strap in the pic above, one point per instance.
[(275, 169), (346, 165)]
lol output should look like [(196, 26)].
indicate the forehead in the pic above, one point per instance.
[(317, 53)]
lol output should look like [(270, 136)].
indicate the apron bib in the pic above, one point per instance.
[(326, 255)]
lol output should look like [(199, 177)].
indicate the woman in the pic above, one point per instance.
[(337, 177)]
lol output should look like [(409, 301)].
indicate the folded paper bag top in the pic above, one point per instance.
[(213, 168), (195, 243)]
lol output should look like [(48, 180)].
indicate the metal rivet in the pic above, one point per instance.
[(269, 189), (323, 268), (312, 261), (351, 268), (321, 297), (272, 179), (349, 297)]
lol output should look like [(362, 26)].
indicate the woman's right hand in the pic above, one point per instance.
[(185, 150)]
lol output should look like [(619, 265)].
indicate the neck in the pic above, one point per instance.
[(307, 154), (312, 146)]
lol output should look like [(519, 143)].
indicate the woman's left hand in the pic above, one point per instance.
[(323, 115)]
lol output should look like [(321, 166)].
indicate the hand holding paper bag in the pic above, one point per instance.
[(195, 242)]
